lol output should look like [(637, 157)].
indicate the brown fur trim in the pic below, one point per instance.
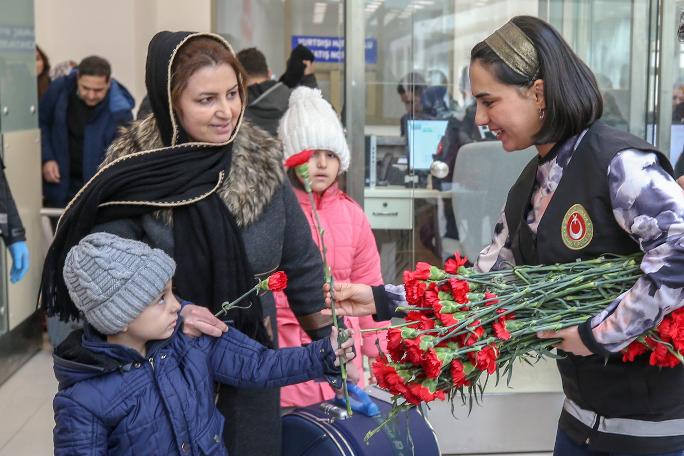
[(256, 169)]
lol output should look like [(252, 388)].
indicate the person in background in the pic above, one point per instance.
[(62, 68), (79, 117), (42, 71), (300, 68), (437, 99), (310, 123), (678, 104), (411, 89), (12, 230), (266, 98), (131, 382)]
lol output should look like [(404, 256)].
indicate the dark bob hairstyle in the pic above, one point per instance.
[(573, 99)]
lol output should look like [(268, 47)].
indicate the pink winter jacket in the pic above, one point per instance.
[(353, 257)]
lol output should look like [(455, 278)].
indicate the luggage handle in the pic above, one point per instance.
[(361, 403)]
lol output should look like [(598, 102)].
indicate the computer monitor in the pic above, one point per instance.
[(423, 140)]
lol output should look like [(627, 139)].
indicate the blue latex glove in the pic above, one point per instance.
[(20, 260)]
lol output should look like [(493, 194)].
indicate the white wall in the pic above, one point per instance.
[(118, 31), (255, 23)]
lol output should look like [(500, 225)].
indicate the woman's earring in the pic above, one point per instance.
[(541, 113)]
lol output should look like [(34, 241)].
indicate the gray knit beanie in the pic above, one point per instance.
[(111, 279)]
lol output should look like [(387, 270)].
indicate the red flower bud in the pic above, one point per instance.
[(275, 282)]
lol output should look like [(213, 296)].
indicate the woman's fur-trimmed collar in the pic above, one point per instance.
[(256, 169)]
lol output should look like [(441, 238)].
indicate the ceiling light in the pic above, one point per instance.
[(319, 12)]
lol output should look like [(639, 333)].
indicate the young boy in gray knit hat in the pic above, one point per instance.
[(131, 383)]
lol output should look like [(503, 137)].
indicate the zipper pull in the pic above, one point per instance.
[(151, 360)]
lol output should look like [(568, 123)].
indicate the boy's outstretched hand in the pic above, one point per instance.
[(346, 349), (198, 320), (351, 299)]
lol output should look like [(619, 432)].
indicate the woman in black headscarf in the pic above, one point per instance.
[(197, 182)]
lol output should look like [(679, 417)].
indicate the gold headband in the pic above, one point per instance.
[(515, 49)]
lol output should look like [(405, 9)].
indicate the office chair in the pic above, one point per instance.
[(483, 175)]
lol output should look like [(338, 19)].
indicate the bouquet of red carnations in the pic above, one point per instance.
[(463, 326)]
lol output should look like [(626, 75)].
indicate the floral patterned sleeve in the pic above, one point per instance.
[(649, 205)]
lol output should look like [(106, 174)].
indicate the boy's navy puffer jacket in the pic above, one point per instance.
[(113, 401)]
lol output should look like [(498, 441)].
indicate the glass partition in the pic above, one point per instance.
[(420, 109), (275, 28), (677, 126)]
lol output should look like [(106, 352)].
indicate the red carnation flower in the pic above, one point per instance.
[(422, 320), (459, 289), (414, 292), (633, 350), (431, 296), (661, 357), (476, 332), (458, 374), (388, 378), (394, 344), (490, 298), (500, 329), (414, 354), (422, 271), (431, 363), (447, 319), (485, 359), (671, 329), (420, 393), (678, 322), (452, 264), (508, 316), (277, 281), (298, 159)]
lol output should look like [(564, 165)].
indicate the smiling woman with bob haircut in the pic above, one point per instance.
[(591, 190), (196, 181)]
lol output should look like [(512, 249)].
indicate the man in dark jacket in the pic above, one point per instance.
[(12, 230), (79, 118), (267, 100)]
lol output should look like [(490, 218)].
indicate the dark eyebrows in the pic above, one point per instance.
[(204, 94), (482, 94)]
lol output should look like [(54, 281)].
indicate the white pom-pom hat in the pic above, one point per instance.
[(310, 122)]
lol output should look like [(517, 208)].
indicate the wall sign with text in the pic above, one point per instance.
[(330, 49)]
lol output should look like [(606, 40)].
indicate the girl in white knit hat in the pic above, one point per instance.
[(310, 123)]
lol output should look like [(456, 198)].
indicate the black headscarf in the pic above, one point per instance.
[(212, 266)]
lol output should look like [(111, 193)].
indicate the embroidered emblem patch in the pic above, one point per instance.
[(577, 229)]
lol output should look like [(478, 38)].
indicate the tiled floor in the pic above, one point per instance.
[(26, 419)]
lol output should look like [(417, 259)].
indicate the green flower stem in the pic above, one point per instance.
[(385, 328), (226, 306), (341, 336)]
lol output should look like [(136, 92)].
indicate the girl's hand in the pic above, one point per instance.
[(353, 374), (344, 350), (571, 343), (199, 320), (371, 377)]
